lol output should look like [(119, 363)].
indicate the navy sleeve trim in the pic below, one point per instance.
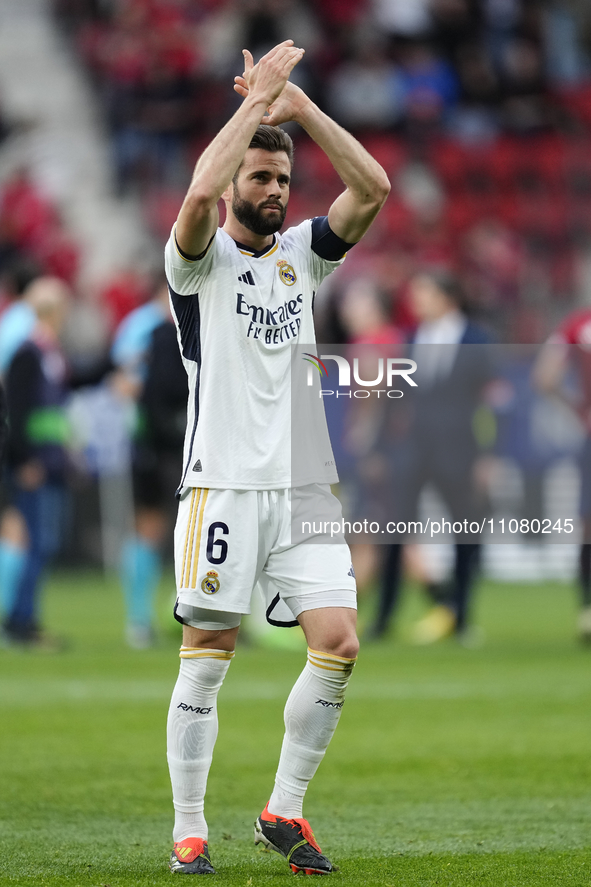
[(325, 242), (186, 256)]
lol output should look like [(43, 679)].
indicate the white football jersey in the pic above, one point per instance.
[(238, 314)]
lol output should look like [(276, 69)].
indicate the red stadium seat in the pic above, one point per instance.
[(577, 169), (313, 171), (465, 210), (397, 218), (577, 101), (387, 150)]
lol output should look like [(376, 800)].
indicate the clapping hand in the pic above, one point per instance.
[(270, 76)]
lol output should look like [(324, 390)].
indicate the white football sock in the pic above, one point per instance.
[(192, 730), (312, 713)]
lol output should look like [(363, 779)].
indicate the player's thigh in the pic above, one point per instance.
[(302, 564), (209, 639), (316, 584)]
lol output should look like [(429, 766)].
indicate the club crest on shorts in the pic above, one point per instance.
[(286, 272), (211, 583)]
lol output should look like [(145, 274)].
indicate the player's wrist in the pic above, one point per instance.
[(306, 113), (257, 104)]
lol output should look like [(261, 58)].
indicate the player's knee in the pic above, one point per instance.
[(349, 647), (331, 630), (344, 645)]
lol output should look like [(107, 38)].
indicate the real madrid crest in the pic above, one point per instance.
[(211, 583), (286, 272)]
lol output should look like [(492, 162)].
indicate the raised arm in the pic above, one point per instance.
[(198, 217), (367, 185)]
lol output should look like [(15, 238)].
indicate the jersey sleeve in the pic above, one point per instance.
[(185, 275), (302, 237), (327, 244)]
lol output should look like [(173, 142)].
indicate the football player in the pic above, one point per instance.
[(242, 295)]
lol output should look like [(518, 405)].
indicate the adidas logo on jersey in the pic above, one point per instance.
[(197, 466), (247, 278), (351, 571)]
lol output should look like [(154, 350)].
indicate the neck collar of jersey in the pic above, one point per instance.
[(258, 253)]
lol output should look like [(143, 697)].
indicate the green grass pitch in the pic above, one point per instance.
[(451, 766)]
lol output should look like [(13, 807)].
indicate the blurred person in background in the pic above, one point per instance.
[(37, 389), (148, 138), (38, 381), (402, 19), (365, 312), (3, 441), (151, 373), (438, 448), (16, 323), (364, 91), (429, 88), (132, 335), (525, 105), (3, 423), (476, 118), (18, 317), (568, 350)]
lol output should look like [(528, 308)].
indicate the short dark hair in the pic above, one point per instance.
[(273, 139)]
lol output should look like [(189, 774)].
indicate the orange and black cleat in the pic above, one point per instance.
[(191, 857), (293, 839)]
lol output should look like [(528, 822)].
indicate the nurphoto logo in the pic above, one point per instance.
[(388, 371)]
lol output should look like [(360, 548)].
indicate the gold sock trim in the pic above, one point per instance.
[(322, 655), (204, 653), (330, 662)]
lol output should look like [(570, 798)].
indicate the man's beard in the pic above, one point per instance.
[(252, 217)]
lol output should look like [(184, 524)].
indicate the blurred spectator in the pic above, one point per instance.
[(36, 390), (421, 192), (524, 106), (151, 373), (565, 61), (550, 375), (455, 24), (266, 23), (38, 383), (365, 312), (132, 336), (494, 260), (16, 324), (429, 88), (408, 19), (3, 424), (148, 142), (476, 117), (366, 315), (18, 318), (501, 21), (366, 91), (438, 447)]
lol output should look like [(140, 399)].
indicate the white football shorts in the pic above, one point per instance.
[(227, 542)]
